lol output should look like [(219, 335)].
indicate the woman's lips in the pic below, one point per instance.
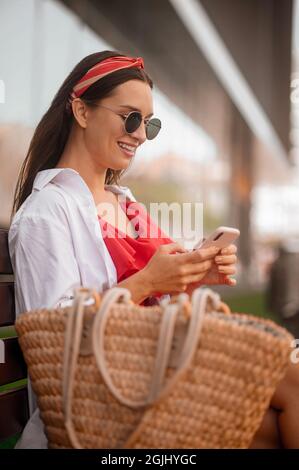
[(127, 152)]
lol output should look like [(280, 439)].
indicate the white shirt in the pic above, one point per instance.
[(55, 244), (55, 241)]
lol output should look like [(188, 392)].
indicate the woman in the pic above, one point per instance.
[(81, 147)]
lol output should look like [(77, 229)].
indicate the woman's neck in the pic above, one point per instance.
[(76, 156)]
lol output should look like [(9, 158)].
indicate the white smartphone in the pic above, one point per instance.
[(222, 237)]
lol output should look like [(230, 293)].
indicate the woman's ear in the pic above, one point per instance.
[(80, 112)]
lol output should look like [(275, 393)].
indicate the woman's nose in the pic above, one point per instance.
[(140, 133)]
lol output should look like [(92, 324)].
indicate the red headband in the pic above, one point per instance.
[(102, 69)]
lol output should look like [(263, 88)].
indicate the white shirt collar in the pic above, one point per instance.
[(71, 178), (44, 177)]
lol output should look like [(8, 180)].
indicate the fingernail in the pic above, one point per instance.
[(218, 259)]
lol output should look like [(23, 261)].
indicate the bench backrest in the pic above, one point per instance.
[(13, 372)]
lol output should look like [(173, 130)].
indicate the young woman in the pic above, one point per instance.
[(60, 235)]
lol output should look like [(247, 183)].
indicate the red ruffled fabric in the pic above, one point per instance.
[(129, 254)]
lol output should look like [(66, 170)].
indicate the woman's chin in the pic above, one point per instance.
[(123, 164)]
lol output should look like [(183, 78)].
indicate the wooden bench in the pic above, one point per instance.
[(14, 409)]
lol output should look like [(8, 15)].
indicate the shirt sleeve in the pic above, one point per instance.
[(44, 264)]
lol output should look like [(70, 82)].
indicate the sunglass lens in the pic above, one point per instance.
[(153, 128), (133, 121)]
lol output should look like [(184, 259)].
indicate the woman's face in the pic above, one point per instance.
[(105, 128)]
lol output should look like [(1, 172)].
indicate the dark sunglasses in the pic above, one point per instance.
[(134, 119)]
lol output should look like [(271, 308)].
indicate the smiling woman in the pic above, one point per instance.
[(58, 238), (101, 78), (107, 127)]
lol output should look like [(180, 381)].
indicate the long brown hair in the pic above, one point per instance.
[(52, 132)]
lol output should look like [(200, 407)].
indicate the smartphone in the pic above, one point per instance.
[(222, 237)]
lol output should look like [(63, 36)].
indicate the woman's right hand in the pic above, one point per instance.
[(172, 268)]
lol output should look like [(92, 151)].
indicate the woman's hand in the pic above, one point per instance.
[(173, 268), (222, 268)]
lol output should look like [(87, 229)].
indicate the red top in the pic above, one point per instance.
[(129, 254)]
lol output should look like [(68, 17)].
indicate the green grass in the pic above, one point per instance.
[(8, 332), (253, 303), (10, 442), (13, 385)]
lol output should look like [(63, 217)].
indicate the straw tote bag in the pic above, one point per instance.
[(113, 374)]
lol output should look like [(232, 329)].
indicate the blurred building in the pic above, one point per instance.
[(14, 140)]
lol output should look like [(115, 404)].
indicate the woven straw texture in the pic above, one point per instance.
[(218, 402)]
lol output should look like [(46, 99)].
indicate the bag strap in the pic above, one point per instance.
[(200, 299), (71, 352), (72, 342), (73, 334), (163, 349)]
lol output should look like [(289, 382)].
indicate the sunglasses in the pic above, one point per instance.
[(134, 119)]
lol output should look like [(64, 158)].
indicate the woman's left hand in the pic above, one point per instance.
[(223, 267)]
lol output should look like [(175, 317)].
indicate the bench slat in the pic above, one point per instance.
[(5, 264), (7, 303), (14, 412), (14, 368)]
